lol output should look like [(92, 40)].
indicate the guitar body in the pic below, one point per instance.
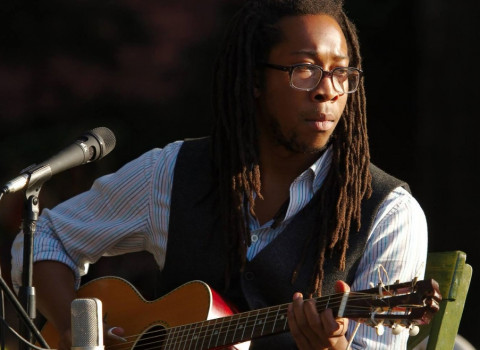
[(195, 317), (123, 306)]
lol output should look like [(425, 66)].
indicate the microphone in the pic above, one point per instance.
[(87, 324), (94, 144)]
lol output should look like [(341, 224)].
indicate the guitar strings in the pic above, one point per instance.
[(181, 330), (208, 323), (193, 342), (183, 334)]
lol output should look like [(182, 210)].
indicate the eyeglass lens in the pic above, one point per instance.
[(344, 80)]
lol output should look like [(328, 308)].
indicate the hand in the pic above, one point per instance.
[(314, 330), (110, 334), (115, 333)]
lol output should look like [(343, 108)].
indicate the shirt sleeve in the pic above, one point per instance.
[(123, 212), (396, 250)]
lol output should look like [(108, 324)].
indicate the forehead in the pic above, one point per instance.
[(318, 35)]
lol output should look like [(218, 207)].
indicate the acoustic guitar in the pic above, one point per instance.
[(194, 316)]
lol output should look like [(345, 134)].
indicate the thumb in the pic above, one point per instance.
[(116, 333), (341, 287)]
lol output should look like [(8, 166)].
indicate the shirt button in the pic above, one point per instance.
[(249, 275), (254, 238)]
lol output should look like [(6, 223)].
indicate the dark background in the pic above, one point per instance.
[(142, 69)]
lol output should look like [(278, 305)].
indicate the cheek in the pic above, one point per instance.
[(277, 97), (342, 103), (275, 83), (285, 109)]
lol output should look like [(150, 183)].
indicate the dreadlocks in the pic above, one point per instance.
[(249, 39)]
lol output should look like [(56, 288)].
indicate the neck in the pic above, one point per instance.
[(284, 165), (279, 168)]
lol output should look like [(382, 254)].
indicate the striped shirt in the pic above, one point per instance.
[(128, 211)]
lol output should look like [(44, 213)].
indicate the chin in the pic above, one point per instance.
[(307, 149), (304, 148), (297, 142), (316, 146)]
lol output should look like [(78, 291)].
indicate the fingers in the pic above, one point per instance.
[(309, 328), (298, 321), (341, 287), (116, 333), (312, 329)]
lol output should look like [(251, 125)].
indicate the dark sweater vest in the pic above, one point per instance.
[(195, 249)]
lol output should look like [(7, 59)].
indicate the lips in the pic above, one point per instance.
[(323, 125), (323, 122)]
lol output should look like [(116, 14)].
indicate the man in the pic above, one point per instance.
[(281, 201)]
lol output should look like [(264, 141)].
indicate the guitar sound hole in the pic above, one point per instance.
[(153, 338)]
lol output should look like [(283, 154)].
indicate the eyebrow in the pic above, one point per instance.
[(313, 53)]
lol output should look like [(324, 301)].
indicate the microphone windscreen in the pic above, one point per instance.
[(106, 138), (87, 324)]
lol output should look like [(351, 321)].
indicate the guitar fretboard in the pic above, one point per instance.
[(233, 329)]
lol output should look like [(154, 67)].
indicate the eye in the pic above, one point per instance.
[(341, 73), (305, 71)]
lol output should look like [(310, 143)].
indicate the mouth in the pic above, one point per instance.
[(321, 122)]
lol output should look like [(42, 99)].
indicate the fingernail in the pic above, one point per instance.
[(114, 336)]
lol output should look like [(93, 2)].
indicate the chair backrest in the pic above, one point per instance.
[(453, 275)]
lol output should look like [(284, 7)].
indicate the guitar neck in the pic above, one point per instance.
[(241, 327)]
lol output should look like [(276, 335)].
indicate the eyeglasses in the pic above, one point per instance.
[(307, 76)]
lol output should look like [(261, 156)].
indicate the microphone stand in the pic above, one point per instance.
[(27, 291), (23, 315), (31, 211)]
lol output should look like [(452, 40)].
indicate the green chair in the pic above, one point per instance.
[(453, 275)]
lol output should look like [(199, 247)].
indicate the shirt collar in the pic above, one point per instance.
[(319, 169)]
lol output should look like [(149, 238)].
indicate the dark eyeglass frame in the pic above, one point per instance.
[(327, 73)]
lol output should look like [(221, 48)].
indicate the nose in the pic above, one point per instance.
[(324, 91)]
